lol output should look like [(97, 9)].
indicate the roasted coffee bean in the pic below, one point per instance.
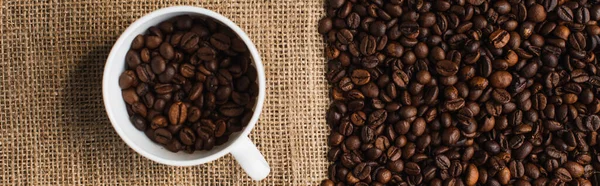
[(128, 79), (231, 110), (446, 68), (139, 122), (360, 77), (442, 162), (162, 136), (499, 38), (412, 168), (368, 46), (144, 73), (187, 136), (189, 42), (132, 58), (177, 113), (565, 13), (220, 41)]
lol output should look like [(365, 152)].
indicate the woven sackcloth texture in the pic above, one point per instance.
[(53, 125)]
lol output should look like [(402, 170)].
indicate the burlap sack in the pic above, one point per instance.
[(53, 127)]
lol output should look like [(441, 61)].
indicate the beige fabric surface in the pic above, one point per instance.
[(53, 127)]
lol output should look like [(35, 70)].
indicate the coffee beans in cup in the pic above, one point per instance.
[(189, 83), (451, 92)]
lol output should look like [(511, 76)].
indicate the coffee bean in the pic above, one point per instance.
[(162, 136), (177, 113), (499, 38), (536, 13), (373, 153), (442, 162), (370, 90), (187, 136), (360, 77), (158, 64), (128, 79), (231, 110), (164, 88), (132, 58), (345, 36), (144, 73), (139, 122), (565, 13), (377, 28), (368, 45), (563, 174), (362, 171), (450, 136), (472, 174), (412, 168), (325, 25), (383, 176), (138, 42), (574, 169)]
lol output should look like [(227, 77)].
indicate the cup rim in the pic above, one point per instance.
[(110, 62)]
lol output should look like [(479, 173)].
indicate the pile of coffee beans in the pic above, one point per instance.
[(189, 84), (462, 92)]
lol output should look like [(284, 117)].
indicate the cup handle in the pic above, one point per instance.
[(251, 160)]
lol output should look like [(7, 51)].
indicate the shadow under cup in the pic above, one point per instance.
[(116, 107)]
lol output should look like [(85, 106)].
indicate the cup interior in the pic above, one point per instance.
[(116, 107)]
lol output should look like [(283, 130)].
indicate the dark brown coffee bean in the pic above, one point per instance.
[(183, 22), (499, 38), (500, 79), (132, 58), (139, 108), (442, 162), (189, 42), (362, 171), (563, 174), (144, 73), (353, 20), (231, 110), (446, 68), (220, 41), (412, 168), (164, 88), (450, 136), (158, 64), (345, 36), (565, 13), (536, 13), (177, 113), (377, 117), (377, 28), (368, 45), (360, 77), (523, 151), (516, 168), (472, 174), (187, 136), (128, 79), (370, 90), (325, 25), (162, 136), (139, 122), (138, 42)]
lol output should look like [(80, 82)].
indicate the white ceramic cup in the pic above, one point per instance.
[(239, 145)]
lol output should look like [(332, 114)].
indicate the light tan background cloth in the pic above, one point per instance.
[(53, 126)]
